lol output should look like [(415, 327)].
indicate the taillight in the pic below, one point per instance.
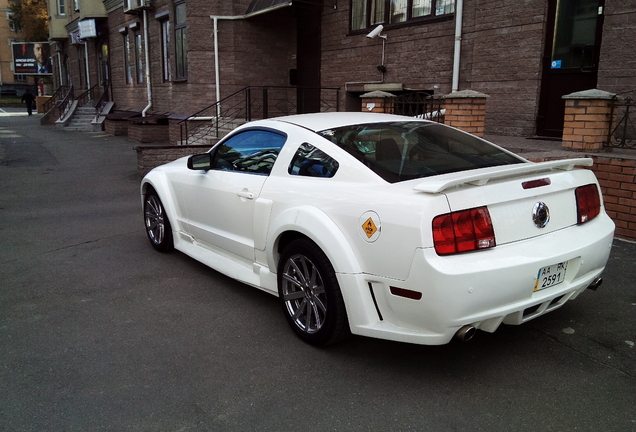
[(463, 231), (588, 203)]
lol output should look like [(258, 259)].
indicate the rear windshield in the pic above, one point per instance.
[(399, 151)]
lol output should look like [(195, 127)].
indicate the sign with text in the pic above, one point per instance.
[(31, 58)]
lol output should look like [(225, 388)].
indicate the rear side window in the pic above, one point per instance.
[(312, 162), (399, 151), (252, 151)]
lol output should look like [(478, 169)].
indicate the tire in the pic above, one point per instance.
[(310, 295), (157, 223)]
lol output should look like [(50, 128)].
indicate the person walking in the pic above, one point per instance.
[(28, 99)]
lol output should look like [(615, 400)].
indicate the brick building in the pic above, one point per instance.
[(523, 54)]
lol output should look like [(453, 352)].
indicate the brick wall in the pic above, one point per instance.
[(148, 133), (618, 183), (466, 113), (617, 62), (617, 178), (116, 127), (151, 157), (258, 51)]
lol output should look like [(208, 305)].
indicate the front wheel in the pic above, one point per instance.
[(310, 294), (157, 224)]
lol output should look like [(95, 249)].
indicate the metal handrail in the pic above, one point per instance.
[(101, 102), (88, 95), (64, 104), (621, 131), (253, 102), (59, 94)]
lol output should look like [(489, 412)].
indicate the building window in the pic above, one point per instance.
[(17, 78), (180, 41), (13, 25), (61, 7), (139, 63), (127, 58), (165, 50), (76, 4), (368, 13)]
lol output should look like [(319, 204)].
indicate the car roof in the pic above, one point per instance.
[(323, 121)]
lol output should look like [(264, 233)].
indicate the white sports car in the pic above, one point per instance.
[(384, 226)]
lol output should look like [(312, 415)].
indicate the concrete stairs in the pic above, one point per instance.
[(81, 120)]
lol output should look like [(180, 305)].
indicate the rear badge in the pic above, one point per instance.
[(540, 215)]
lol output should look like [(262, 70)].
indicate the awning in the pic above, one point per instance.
[(262, 6)]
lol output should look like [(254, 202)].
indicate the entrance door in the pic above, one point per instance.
[(571, 58), (309, 15)]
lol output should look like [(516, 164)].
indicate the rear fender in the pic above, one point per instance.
[(317, 226)]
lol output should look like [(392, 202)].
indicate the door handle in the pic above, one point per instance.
[(245, 194)]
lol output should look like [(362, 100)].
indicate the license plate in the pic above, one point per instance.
[(550, 276)]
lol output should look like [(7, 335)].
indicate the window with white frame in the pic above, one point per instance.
[(180, 41), (165, 50), (13, 25), (76, 5), (139, 63), (61, 7), (127, 58), (369, 13)]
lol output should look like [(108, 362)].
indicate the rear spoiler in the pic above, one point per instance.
[(482, 176)]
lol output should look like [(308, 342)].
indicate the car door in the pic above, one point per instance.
[(222, 200)]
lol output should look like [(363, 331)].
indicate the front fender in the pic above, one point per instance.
[(158, 180), (316, 225)]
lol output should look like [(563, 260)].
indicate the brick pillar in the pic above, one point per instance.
[(466, 110), (587, 120), (377, 102)]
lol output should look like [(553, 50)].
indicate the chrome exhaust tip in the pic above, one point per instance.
[(466, 333), (595, 284)]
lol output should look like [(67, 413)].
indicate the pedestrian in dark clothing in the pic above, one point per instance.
[(28, 99)]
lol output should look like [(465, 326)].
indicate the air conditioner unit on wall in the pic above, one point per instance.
[(135, 5)]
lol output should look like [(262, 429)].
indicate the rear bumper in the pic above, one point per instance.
[(483, 289)]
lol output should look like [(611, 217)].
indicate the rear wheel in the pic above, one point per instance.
[(310, 294), (157, 224)]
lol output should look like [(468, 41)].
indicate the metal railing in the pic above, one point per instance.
[(65, 103), (418, 104), (255, 102), (622, 130), (100, 104), (59, 94), (89, 95)]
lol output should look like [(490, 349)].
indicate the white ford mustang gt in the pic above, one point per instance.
[(384, 226)]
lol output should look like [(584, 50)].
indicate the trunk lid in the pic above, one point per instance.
[(514, 208)]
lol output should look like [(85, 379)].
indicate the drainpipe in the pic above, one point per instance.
[(147, 55), (88, 74), (215, 19), (216, 65), (59, 68), (458, 44)]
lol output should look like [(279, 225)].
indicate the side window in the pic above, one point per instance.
[(312, 162), (252, 151)]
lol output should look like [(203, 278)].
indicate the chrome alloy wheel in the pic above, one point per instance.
[(154, 216), (304, 293)]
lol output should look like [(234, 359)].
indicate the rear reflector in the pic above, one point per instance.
[(463, 231), (588, 203), (413, 295)]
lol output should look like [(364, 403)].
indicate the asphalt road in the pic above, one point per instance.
[(100, 332)]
